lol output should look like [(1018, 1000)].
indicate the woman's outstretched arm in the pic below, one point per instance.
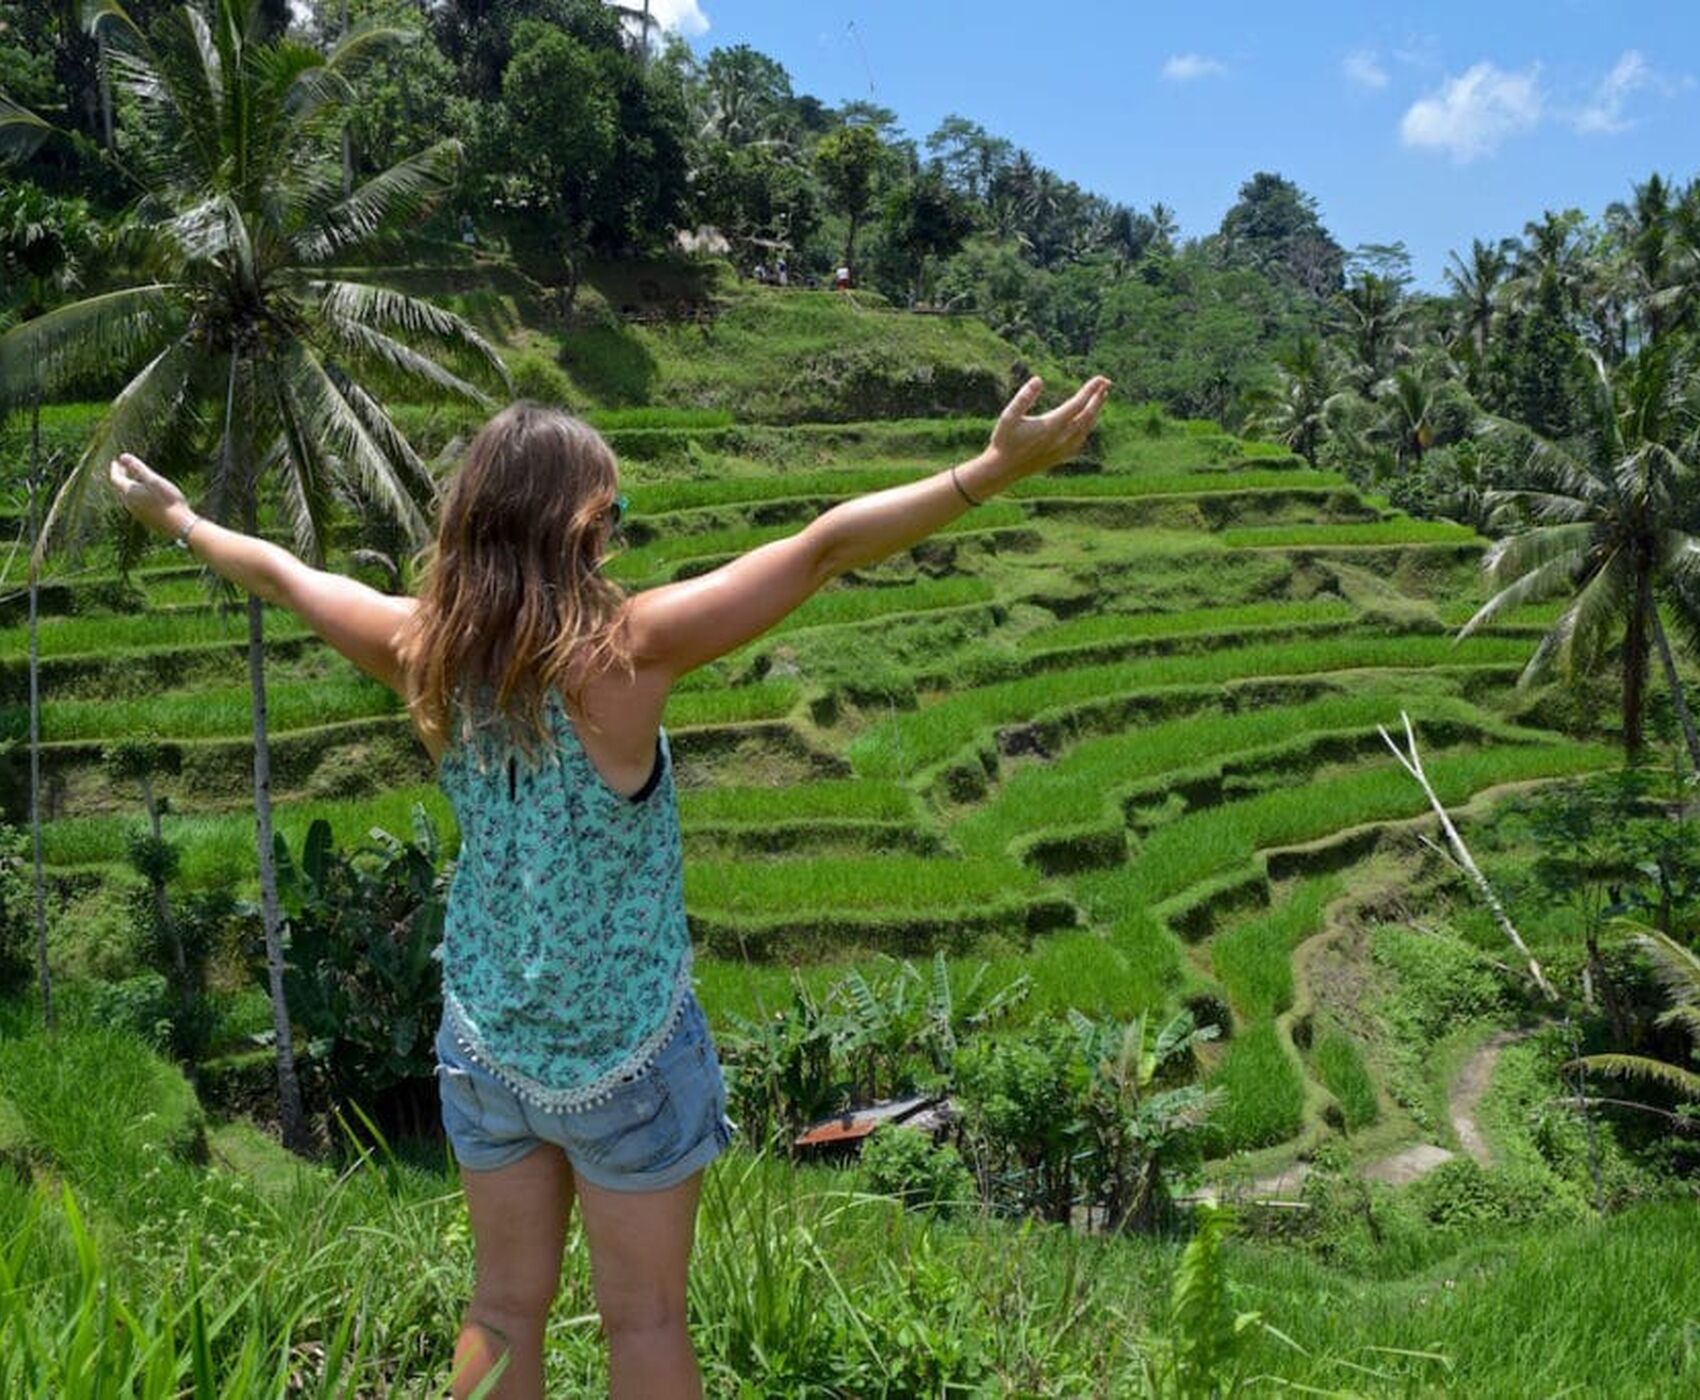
[(683, 625), (358, 621)]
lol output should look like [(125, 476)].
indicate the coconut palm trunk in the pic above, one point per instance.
[(40, 876), (238, 454), (1635, 649), (292, 1117), (247, 234), (1679, 697)]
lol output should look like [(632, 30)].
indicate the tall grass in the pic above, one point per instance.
[(1118, 626), (871, 882), (1192, 849), (70, 636), (845, 799), (219, 711), (1173, 483), (1265, 1091), (733, 704), (1381, 532), (1339, 1067), (914, 741), (1253, 959)]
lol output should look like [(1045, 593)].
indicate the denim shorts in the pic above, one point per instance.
[(651, 1133)]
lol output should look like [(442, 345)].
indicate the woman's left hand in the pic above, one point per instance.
[(147, 495)]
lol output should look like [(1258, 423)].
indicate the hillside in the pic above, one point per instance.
[(1116, 731), (1114, 734)]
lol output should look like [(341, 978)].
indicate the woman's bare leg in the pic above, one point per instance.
[(519, 1227), (640, 1250)]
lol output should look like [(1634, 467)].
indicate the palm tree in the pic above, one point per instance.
[(1678, 968), (1295, 410), (1613, 526), (1370, 312), (1478, 284), (1642, 228), (44, 244), (1405, 410), (243, 338)]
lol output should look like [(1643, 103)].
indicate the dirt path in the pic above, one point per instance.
[(1471, 1083), (1408, 1164)]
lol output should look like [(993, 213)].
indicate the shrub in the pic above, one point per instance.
[(539, 378), (1462, 1194), (1441, 983), (906, 1163), (16, 925), (141, 1005)]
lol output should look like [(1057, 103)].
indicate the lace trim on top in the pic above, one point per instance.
[(574, 1100)]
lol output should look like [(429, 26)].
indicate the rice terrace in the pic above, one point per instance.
[(1092, 841)]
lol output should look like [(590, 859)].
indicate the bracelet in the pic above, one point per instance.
[(182, 538), (960, 489)]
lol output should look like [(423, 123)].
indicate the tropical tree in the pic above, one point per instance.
[(1295, 411), (1678, 969), (44, 246), (1137, 1127), (1370, 313), (847, 161), (252, 356), (1612, 524), (1478, 285)]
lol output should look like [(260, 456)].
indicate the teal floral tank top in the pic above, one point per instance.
[(565, 953)]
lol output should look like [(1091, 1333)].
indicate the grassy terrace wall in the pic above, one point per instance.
[(1115, 731)]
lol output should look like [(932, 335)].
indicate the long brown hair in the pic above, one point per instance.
[(512, 600)]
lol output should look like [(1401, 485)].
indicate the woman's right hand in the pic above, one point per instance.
[(147, 495), (1023, 446)]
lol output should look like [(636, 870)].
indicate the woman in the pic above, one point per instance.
[(573, 1058)]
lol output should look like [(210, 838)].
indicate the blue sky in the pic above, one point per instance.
[(1434, 123)]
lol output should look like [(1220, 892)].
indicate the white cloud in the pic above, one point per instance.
[(1185, 67), (1603, 114), (1471, 115), (685, 16), (1364, 69)]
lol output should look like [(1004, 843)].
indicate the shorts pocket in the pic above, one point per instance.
[(634, 1130), (458, 1090)]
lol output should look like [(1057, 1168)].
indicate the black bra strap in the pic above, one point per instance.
[(654, 779)]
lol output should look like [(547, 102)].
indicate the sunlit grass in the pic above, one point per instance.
[(913, 741)]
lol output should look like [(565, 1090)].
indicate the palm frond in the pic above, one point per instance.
[(1515, 555), (408, 188), (1677, 967), (1684, 1082), (177, 74), (22, 133), (329, 414), (381, 428), (362, 343), (1548, 507), (383, 308), (1539, 583), (1545, 461), (1585, 626), (147, 402), (307, 496), (114, 328)]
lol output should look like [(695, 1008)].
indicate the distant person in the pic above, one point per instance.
[(467, 236), (841, 279), (572, 1056), (761, 273), (784, 273)]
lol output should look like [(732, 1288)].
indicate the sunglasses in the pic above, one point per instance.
[(617, 511)]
